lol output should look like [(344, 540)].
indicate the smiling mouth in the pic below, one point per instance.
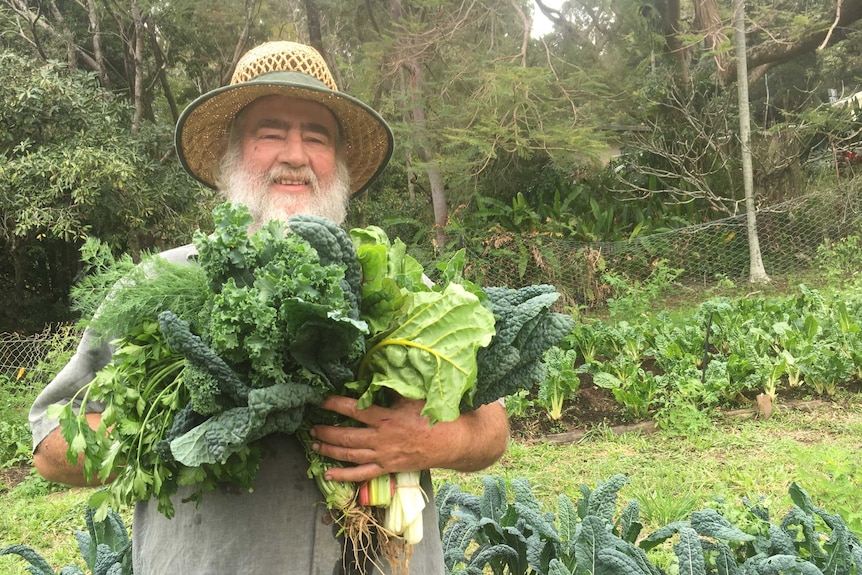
[(286, 182)]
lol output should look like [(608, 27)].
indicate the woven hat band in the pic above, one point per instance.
[(299, 79)]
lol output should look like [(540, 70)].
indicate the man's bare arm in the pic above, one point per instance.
[(51, 462)]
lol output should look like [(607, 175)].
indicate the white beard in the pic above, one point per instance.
[(241, 186)]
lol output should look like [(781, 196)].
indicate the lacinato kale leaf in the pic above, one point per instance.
[(180, 339), (525, 328)]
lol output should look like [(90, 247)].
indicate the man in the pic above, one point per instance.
[(283, 140)]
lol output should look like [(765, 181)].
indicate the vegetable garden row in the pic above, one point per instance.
[(721, 354), (506, 531)]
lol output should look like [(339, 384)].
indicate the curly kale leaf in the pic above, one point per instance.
[(525, 328), (258, 322), (334, 246), (228, 252), (204, 391)]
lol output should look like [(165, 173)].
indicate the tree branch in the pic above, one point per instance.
[(779, 52)]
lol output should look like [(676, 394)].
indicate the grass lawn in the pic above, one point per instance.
[(671, 476)]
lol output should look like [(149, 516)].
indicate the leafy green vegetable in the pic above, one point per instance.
[(181, 340), (489, 534), (103, 295), (275, 302), (525, 329), (143, 391), (561, 382), (278, 322), (431, 355)]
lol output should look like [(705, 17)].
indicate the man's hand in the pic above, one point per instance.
[(399, 438)]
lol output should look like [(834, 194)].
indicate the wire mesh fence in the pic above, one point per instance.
[(791, 236), (22, 355)]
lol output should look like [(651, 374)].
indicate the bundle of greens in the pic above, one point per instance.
[(210, 358)]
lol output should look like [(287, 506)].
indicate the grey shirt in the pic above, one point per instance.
[(280, 527)]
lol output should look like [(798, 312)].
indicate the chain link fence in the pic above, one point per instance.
[(22, 355), (791, 236)]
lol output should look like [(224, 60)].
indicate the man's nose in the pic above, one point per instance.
[(292, 151)]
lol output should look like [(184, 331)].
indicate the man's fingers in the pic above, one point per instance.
[(358, 473), (345, 454), (346, 406), (348, 437)]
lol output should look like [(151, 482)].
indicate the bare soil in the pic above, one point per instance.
[(12, 476), (594, 407)]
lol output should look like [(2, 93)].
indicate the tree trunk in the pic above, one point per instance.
[(435, 178), (708, 21), (66, 35), (251, 7), (670, 21), (525, 36), (315, 33), (19, 263), (136, 51), (408, 160), (98, 55), (757, 273), (161, 66), (418, 128)]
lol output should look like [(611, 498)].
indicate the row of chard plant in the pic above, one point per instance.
[(722, 354)]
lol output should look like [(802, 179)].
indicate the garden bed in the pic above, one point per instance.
[(594, 408)]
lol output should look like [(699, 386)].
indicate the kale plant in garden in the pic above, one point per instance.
[(488, 533), (105, 547)]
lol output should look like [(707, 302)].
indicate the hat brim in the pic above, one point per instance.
[(201, 134)]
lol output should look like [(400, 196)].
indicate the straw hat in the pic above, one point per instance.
[(290, 69)]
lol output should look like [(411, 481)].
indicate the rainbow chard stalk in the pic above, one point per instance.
[(377, 492), (404, 514)]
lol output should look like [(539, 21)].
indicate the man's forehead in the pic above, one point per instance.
[(289, 108)]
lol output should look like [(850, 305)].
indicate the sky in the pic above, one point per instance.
[(542, 25)]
